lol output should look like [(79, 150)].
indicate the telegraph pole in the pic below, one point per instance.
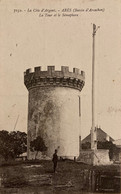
[(93, 129), (16, 123)]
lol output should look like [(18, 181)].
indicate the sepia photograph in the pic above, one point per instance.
[(60, 96)]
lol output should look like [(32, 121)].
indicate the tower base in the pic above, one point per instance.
[(95, 157)]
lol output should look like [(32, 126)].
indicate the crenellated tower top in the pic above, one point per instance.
[(63, 78)]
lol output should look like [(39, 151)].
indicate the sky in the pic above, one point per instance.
[(28, 40)]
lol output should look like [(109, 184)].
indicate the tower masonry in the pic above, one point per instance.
[(54, 109)]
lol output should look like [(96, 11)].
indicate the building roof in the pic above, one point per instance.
[(101, 136)]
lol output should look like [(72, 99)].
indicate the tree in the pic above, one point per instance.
[(5, 145), (19, 144), (12, 144), (38, 145)]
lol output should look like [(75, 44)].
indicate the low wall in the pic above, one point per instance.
[(86, 156), (101, 157), (94, 157)]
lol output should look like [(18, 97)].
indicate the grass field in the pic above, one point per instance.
[(38, 177)]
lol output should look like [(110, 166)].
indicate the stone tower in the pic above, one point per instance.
[(54, 109)]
